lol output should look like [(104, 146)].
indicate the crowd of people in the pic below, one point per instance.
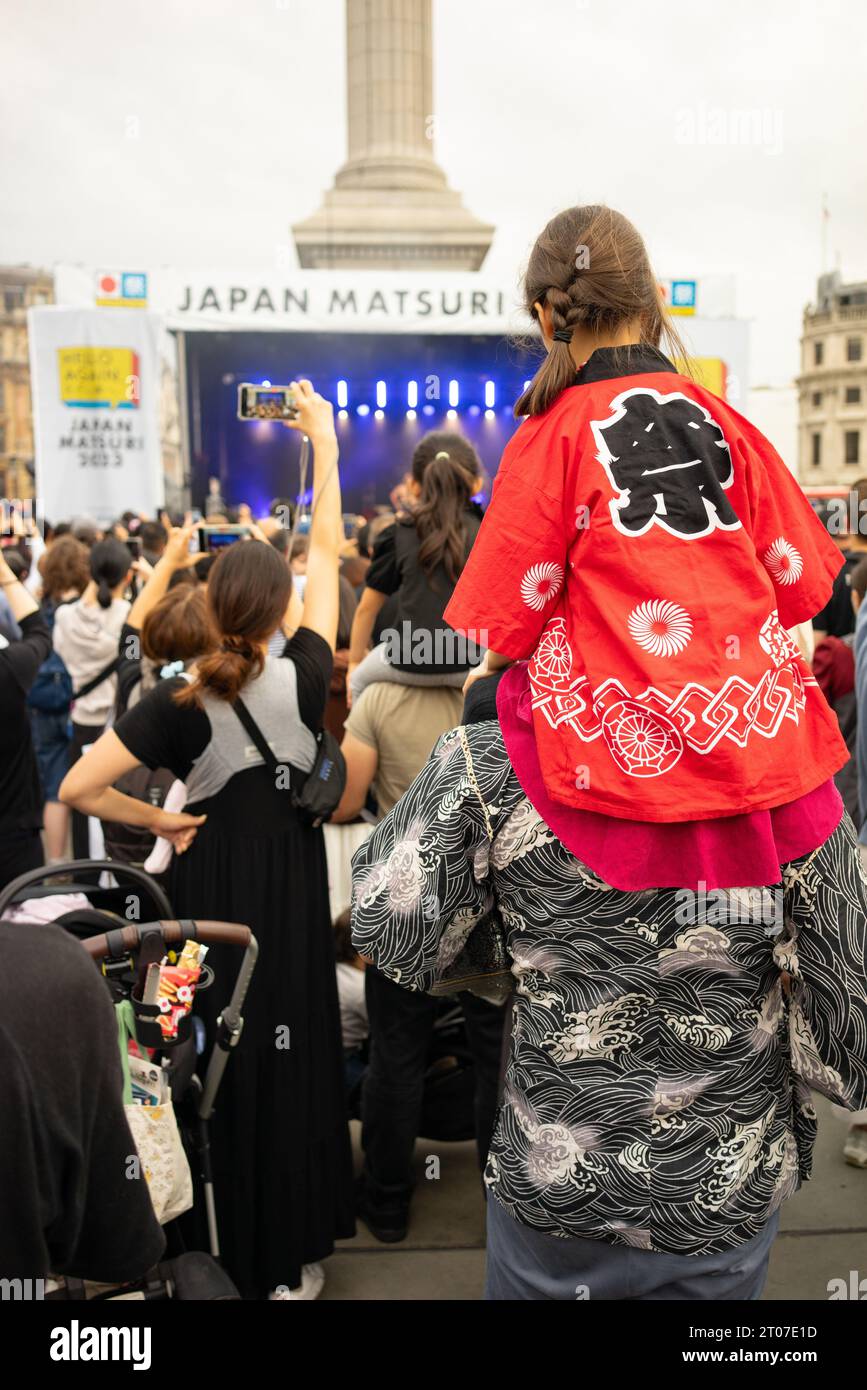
[(564, 783)]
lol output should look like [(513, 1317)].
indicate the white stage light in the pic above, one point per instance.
[(454, 393), (490, 414), (381, 396), (490, 394), (451, 415), (342, 394), (379, 414), (363, 410), (410, 415), (412, 394)]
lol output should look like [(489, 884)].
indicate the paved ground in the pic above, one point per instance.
[(823, 1232)]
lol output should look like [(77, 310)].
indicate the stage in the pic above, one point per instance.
[(388, 390)]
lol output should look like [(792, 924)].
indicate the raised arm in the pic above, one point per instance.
[(321, 596), (176, 556)]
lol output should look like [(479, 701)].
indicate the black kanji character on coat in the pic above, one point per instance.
[(669, 462)]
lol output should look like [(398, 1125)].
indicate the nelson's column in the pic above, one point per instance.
[(391, 206)]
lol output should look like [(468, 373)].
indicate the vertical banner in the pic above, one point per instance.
[(95, 381)]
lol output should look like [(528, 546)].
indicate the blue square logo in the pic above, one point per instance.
[(683, 294), (133, 285)]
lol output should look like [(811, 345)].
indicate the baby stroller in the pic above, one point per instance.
[(123, 949)]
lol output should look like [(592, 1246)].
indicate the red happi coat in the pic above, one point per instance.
[(647, 548)]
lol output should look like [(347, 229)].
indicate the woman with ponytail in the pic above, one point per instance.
[(420, 559), (87, 638), (280, 1141)]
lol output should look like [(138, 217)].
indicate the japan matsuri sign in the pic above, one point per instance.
[(95, 381)]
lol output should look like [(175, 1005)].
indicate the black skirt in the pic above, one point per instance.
[(279, 1135)]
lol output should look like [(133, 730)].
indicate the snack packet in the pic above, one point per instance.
[(177, 986)]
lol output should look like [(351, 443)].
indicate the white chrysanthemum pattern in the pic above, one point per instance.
[(540, 584), (661, 627), (784, 561)]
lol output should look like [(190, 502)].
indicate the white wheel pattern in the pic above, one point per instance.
[(540, 584), (643, 742), (784, 561), (661, 627), (553, 656)]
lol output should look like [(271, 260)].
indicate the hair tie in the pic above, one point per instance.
[(442, 455), (563, 335), (237, 647)]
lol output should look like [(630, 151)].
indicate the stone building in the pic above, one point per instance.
[(832, 387), (20, 287)]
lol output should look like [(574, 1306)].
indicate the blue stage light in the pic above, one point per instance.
[(474, 410), (490, 394), (342, 395), (412, 394), (381, 394), (454, 393), (429, 410), (363, 410)]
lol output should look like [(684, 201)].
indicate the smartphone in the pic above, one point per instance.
[(133, 545), (266, 402), (213, 539)]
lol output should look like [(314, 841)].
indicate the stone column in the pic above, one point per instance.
[(389, 71), (391, 206)]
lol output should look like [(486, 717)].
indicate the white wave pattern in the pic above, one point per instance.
[(784, 561), (540, 584), (661, 627)]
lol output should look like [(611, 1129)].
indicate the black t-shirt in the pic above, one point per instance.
[(837, 618), (20, 791), (67, 1205), (421, 597), (161, 733)]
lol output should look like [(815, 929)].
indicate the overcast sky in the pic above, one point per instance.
[(193, 133)]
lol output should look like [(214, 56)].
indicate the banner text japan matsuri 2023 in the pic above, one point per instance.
[(95, 381)]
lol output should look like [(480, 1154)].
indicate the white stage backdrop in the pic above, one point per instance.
[(95, 382)]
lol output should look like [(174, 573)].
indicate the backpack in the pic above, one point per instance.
[(52, 691), (131, 844)]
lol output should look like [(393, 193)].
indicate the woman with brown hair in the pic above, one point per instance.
[(282, 1159)]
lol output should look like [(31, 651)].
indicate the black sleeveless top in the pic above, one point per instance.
[(420, 641)]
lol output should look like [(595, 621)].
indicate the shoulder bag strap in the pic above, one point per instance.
[(268, 756), (465, 745), (97, 680)]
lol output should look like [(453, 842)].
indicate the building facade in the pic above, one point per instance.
[(20, 287), (832, 387)]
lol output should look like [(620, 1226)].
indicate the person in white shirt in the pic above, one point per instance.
[(87, 638)]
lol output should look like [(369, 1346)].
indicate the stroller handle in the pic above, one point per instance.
[(128, 873), (208, 932)]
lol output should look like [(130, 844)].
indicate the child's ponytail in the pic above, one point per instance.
[(446, 467), (591, 269)]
